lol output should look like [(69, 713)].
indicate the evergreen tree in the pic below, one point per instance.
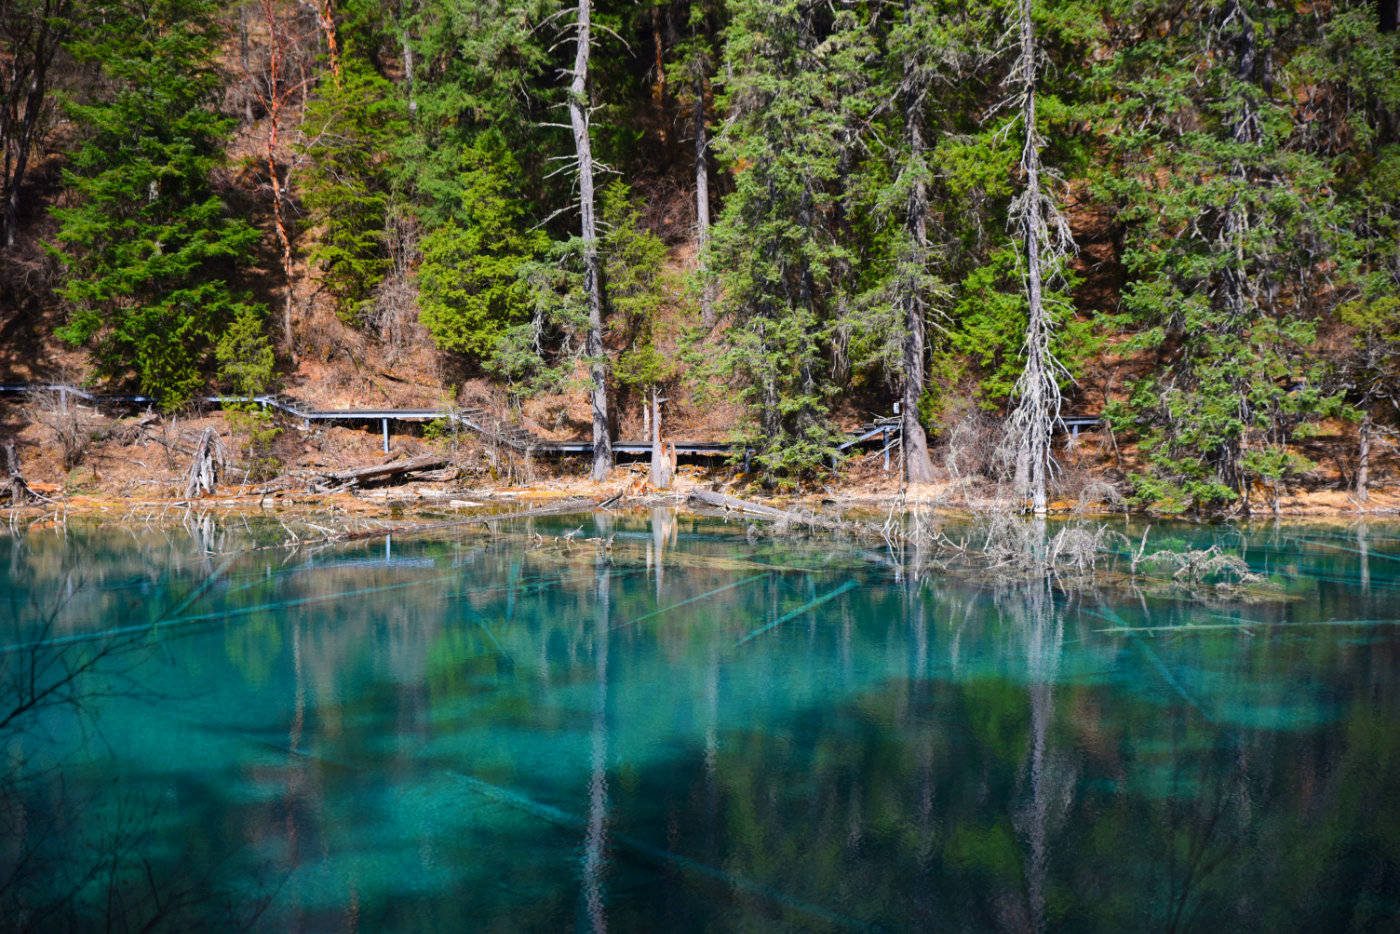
[(1228, 219), (796, 70), (350, 132), (470, 289), (149, 248), (632, 262)]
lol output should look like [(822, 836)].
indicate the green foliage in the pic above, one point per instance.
[(469, 283), (990, 326), (783, 265), (247, 367), (149, 248), (482, 65), (632, 264), (1226, 215), (350, 128)]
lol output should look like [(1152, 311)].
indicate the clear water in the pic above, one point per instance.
[(690, 731)]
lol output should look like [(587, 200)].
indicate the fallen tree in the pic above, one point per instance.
[(357, 475)]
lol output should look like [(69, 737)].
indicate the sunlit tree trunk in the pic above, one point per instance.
[(325, 19), (917, 466), (1363, 458), (276, 88), (1045, 239), (592, 267), (702, 204), (660, 473)]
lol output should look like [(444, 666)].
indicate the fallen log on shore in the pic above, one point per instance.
[(356, 475)]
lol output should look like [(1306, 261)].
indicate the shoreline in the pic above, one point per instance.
[(467, 501)]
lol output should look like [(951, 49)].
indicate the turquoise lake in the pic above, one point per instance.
[(689, 730)]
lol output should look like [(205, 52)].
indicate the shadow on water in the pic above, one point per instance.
[(673, 728)]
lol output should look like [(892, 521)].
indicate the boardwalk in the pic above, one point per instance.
[(884, 432)]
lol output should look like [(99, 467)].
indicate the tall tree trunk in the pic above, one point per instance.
[(917, 466), (1037, 391), (407, 48), (1238, 34), (592, 267), (325, 19), (702, 204), (1363, 458), (278, 90)]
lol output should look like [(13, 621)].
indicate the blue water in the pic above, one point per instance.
[(686, 730)]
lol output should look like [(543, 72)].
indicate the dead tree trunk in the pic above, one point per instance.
[(592, 267), (1363, 458), (15, 488), (702, 205), (202, 479), (406, 47), (917, 466), (1045, 239), (660, 474)]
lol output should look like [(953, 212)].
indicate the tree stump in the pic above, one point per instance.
[(203, 476)]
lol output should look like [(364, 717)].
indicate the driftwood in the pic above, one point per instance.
[(735, 504), (357, 475)]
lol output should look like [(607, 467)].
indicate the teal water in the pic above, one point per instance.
[(689, 731)]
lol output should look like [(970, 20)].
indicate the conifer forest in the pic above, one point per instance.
[(1181, 217)]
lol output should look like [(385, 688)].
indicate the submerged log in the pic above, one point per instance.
[(734, 503)]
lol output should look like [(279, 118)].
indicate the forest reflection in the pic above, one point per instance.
[(658, 722)]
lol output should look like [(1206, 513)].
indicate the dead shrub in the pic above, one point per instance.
[(74, 427)]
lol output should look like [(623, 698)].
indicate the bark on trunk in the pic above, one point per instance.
[(278, 90), (15, 487), (660, 473), (918, 468), (325, 18), (1038, 393), (702, 205), (1363, 459), (208, 461), (592, 267)]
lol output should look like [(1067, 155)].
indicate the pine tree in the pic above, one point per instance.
[(470, 289), (632, 262), (795, 70), (150, 250), (1228, 219), (350, 132)]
